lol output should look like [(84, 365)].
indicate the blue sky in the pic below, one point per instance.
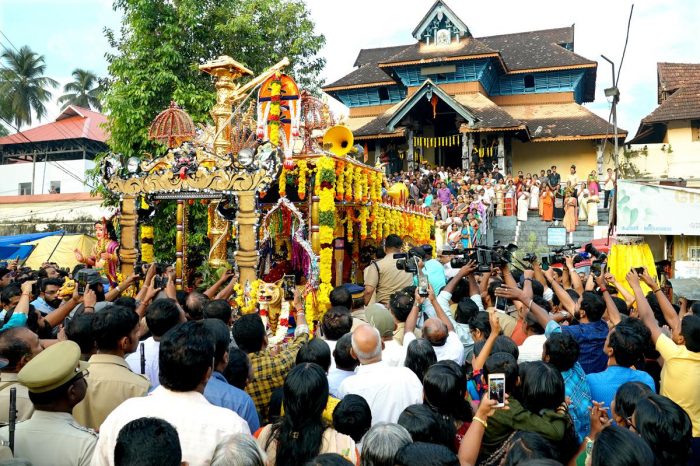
[(69, 34)]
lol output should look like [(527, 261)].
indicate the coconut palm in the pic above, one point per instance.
[(23, 87), (84, 91)]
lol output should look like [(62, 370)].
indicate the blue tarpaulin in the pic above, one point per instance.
[(11, 247)]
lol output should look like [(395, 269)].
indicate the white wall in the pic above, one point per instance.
[(12, 175)]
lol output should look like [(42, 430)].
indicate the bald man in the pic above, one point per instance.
[(388, 390), (439, 331)]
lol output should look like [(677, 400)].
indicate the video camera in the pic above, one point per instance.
[(559, 255), (408, 262), (485, 257)]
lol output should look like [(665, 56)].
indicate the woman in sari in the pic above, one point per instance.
[(523, 204), (455, 235), (509, 199), (583, 205), (467, 232), (547, 200), (592, 210), (593, 186), (535, 195), (570, 219), (500, 195)]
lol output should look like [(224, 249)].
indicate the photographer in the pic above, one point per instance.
[(439, 330)]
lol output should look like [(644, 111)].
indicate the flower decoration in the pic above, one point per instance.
[(302, 169)]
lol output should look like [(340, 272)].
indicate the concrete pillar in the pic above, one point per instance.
[(465, 152), (409, 156), (599, 158), (501, 154), (470, 148)]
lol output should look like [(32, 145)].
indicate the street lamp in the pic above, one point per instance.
[(613, 92)]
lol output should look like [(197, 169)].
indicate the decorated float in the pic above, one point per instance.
[(287, 194)]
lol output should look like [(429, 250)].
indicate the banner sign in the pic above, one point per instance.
[(644, 209)]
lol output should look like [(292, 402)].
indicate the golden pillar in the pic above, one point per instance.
[(247, 254), (179, 243), (226, 71), (219, 233), (127, 244)]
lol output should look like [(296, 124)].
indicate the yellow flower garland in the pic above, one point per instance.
[(283, 182), (357, 188), (147, 247), (340, 178), (348, 178), (240, 298), (301, 184), (364, 215), (327, 211)]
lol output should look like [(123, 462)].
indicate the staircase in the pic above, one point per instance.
[(531, 236)]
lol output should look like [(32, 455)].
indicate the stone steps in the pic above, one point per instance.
[(531, 236)]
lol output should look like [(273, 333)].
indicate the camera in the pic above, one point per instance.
[(558, 255), (408, 262), (530, 257), (485, 257), (590, 249)]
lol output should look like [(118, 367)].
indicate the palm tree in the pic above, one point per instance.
[(23, 86), (84, 91)]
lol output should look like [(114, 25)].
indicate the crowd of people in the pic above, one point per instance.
[(595, 371), (461, 200)]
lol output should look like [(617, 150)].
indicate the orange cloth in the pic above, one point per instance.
[(547, 207), (570, 217), (518, 336)]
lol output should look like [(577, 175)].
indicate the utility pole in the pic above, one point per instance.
[(614, 92)]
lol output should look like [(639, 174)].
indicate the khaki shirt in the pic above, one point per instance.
[(110, 382), (25, 408), (508, 323), (389, 279), (53, 438)]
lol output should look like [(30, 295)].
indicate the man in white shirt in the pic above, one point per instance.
[(439, 331), (532, 347), (336, 322), (186, 365), (379, 317), (345, 364), (161, 315), (387, 390)]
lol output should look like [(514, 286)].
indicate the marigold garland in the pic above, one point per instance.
[(244, 308), (327, 171), (147, 243), (302, 169), (273, 119), (348, 178), (340, 180), (362, 218), (283, 182)]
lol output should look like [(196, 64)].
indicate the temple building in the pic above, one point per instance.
[(452, 99)]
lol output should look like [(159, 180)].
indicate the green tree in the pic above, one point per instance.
[(84, 91), (23, 87), (157, 52)]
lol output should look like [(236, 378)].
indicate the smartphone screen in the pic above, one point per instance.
[(288, 284), (82, 283), (497, 389), (501, 304)]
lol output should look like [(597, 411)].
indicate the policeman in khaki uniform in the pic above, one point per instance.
[(56, 382)]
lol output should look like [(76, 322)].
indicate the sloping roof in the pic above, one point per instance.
[(374, 127), (562, 122), (444, 9), (366, 75), (537, 49), (73, 123), (420, 52), (378, 55), (672, 76), (490, 115), (684, 104)]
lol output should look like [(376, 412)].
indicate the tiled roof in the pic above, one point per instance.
[(378, 55), (489, 114), (536, 49), (673, 76), (421, 52), (362, 76), (684, 104), (519, 52), (561, 122), (73, 123)]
